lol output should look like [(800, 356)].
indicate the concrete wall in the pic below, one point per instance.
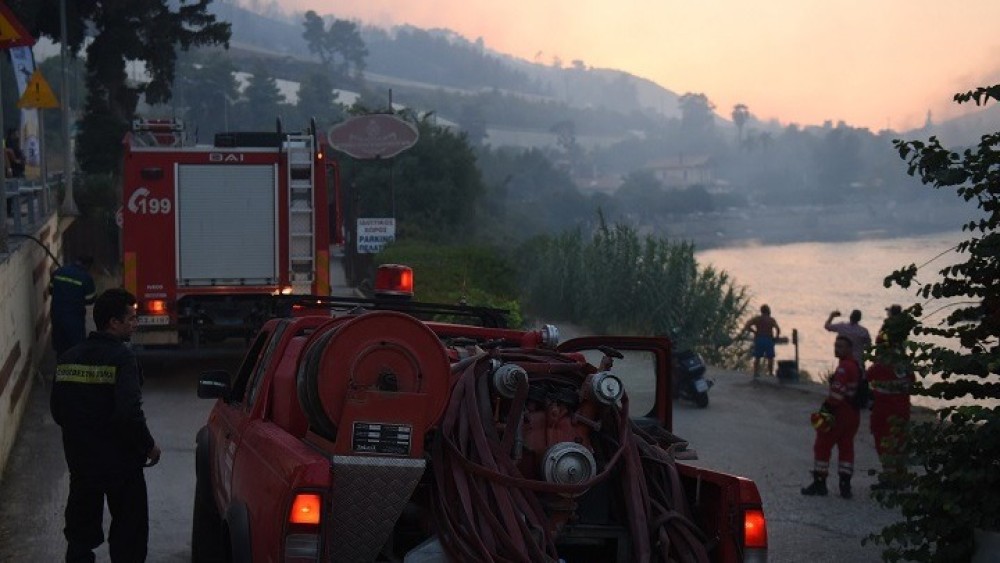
[(24, 324)]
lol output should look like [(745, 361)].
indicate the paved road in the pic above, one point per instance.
[(760, 431), (36, 481)]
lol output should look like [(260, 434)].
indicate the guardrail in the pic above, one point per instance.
[(26, 205)]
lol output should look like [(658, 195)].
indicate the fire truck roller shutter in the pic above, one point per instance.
[(381, 353), (226, 225)]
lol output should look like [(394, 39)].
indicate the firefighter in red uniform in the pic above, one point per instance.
[(837, 423), (891, 379)]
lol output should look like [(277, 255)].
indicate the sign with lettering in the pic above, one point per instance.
[(375, 233), (373, 136)]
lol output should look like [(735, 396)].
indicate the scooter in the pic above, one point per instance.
[(689, 377)]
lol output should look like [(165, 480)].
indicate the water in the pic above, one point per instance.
[(803, 282)]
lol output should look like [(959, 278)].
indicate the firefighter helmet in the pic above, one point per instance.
[(822, 420)]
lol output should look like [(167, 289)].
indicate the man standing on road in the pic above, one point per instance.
[(765, 331), (857, 334), (72, 289), (838, 423), (97, 400)]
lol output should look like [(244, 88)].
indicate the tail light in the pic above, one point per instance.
[(754, 523), (754, 528), (156, 307), (754, 535), (302, 529)]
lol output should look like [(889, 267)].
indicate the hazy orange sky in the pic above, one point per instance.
[(871, 63)]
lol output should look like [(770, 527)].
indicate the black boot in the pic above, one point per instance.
[(845, 485), (818, 486)]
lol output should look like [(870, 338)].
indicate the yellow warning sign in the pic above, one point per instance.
[(38, 94), (12, 33)]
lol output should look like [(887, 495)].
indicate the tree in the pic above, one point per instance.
[(207, 91), (696, 113), (953, 485), (740, 117), (318, 101), (340, 48), (134, 30), (263, 100)]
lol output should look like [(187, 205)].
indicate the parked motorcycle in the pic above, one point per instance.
[(689, 377)]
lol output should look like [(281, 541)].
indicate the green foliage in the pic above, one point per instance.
[(618, 282), (476, 275), (340, 47), (318, 101), (432, 188), (953, 484), (263, 101), (207, 92)]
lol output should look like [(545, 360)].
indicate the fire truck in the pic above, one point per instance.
[(214, 236)]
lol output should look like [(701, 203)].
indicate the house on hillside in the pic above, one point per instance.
[(683, 171)]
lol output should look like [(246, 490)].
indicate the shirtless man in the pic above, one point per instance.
[(765, 330)]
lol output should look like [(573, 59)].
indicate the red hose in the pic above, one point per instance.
[(486, 510)]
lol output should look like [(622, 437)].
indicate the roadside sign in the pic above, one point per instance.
[(374, 233), (38, 94), (373, 136), (12, 33)]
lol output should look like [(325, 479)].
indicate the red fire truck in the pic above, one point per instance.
[(214, 235)]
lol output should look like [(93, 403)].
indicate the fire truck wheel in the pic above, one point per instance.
[(207, 538)]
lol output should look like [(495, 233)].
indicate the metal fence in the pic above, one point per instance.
[(26, 205)]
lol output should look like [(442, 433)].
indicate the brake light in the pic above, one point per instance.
[(305, 509), (394, 279), (302, 538), (156, 307), (754, 528)]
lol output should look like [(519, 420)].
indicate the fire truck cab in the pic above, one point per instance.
[(214, 235)]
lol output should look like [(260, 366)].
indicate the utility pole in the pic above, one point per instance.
[(69, 202)]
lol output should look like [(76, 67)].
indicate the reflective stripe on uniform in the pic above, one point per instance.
[(79, 373), (68, 279)]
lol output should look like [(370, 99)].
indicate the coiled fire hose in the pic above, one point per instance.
[(486, 510)]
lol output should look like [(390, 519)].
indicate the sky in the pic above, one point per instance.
[(881, 64)]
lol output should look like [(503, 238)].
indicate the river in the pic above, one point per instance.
[(803, 282)]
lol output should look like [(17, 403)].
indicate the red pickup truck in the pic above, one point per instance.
[(390, 430)]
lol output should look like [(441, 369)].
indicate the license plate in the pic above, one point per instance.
[(148, 320), (700, 385)]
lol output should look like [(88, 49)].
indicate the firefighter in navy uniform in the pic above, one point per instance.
[(72, 289), (97, 400)]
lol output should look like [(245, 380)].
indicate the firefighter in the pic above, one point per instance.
[(892, 379), (844, 417), (72, 289), (97, 401)]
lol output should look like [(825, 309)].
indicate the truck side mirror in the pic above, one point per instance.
[(213, 384)]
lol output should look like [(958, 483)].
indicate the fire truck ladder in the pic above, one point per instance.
[(302, 215)]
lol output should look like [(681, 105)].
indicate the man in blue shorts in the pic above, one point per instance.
[(765, 331)]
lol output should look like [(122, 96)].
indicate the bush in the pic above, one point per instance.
[(952, 486), (621, 283), (476, 275)]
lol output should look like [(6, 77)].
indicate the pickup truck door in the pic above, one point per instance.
[(644, 371), (234, 414)]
